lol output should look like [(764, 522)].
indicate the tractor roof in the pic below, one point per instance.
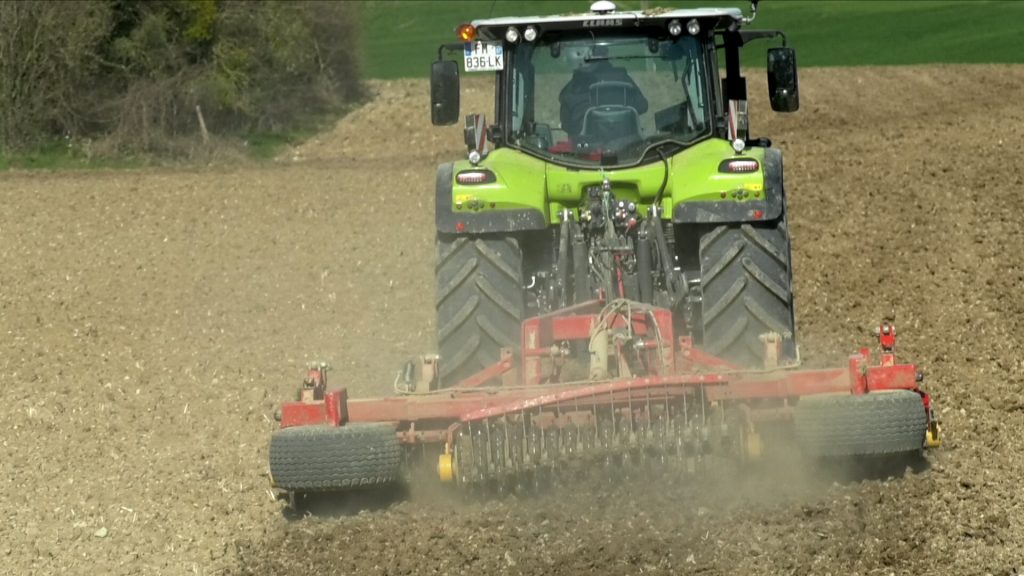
[(610, 19)]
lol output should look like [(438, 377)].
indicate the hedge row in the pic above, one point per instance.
[(141, 74)]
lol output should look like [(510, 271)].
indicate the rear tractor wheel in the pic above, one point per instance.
[(480, 302), (746, 292)]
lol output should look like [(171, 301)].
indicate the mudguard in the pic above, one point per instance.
[(748, 211), (448, 222)]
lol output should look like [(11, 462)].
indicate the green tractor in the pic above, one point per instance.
[(619, 165)]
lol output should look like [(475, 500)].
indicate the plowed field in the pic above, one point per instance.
[(151, 321)]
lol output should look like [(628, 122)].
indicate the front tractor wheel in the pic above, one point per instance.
[(480, 302), (746, 291)]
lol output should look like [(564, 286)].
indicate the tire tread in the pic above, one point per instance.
[(877, 423), (746, 290), (480, 302), (330, 458)]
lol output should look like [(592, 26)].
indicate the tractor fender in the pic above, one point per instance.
[(771, 208), (482, 222)]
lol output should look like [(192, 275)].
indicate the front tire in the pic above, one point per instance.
[(480, 303)]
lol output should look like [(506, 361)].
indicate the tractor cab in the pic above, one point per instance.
[(609, 87)]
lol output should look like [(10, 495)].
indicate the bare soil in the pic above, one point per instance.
[(152, 320)]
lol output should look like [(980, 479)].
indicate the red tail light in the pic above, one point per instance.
[(739, 166), (470, 177)]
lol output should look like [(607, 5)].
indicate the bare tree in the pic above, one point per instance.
[(47, 51)]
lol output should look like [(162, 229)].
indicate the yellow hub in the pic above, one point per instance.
[(754, 445), (446, 468), (933, 439)]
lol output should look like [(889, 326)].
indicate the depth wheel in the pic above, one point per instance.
[(873, 424), (334, 458)]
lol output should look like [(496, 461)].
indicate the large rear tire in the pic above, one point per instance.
[(874, 424), (334, 458), (746, 291), (480, 303)]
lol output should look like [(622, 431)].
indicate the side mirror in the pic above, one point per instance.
[(783, 87), (444, 92)]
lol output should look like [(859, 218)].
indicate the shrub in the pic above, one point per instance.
[(48, 56), (139, 73)]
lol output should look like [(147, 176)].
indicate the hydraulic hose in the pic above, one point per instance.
[(643, 263), (659, 233), (565, 230), (664, 180), (666, 259)]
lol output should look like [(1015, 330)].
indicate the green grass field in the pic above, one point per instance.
[(400, 37)]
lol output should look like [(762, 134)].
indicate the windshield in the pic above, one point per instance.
[(607, 101)]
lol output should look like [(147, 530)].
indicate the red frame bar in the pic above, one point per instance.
[(465, 404), (433, 416), (332, 410), (499, 368)]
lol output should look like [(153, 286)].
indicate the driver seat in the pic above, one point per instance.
[(609, 116), (605, 123)]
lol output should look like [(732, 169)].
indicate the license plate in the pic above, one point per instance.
[(483, 57)]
